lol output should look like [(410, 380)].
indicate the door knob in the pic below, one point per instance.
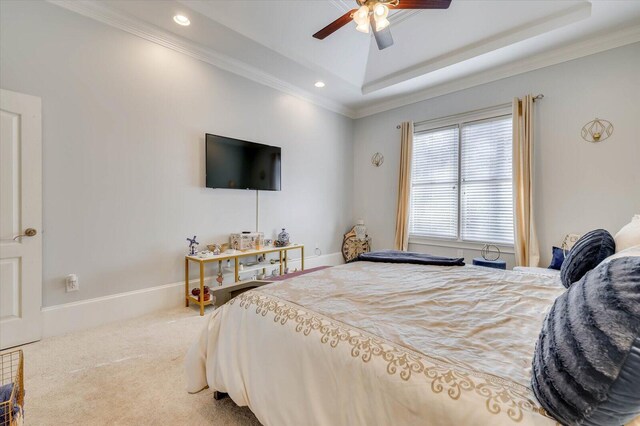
[(29, 232)]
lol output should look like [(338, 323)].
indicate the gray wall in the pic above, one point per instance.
[(579, 186), (123, 145)]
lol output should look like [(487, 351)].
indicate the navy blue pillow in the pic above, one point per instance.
[(591, 249), (557, 259), (586, 365)]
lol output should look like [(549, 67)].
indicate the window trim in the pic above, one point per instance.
[(450, 121)]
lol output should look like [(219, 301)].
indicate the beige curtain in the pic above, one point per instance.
[(526, 242), (404, 186)]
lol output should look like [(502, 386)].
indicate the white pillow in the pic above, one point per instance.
[(630, 252), (629, 235)]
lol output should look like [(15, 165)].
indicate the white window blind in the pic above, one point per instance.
[(462, 181), (434, 183), (486, 194)]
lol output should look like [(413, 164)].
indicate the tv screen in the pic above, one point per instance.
[(238, 164)]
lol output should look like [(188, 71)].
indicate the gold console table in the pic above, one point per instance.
[(202, 261)]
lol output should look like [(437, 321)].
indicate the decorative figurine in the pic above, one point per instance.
[(193, 244), (216, 250), (220, 277)]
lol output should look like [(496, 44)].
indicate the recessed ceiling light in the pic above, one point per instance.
[(319, 84), (181, 20)]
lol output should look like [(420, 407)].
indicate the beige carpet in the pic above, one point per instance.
[(127, 373)]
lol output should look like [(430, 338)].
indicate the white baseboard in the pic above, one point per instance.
[(90, 313)]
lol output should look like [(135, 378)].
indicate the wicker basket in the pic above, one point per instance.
[(11, 373)]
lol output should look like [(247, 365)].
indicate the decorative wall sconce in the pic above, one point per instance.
[(597, 130), (377, 159)]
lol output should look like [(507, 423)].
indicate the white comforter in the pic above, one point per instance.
[(380, 344)]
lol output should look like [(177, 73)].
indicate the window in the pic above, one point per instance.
[(461, 181)]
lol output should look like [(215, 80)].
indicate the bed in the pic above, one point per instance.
[(378, 344)]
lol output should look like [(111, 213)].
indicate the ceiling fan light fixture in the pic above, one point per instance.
[(381, 24), (380, 11), (361, 16), (363, 28)]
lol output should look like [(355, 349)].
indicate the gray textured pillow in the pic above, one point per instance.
[(587, 253), (586, 366)]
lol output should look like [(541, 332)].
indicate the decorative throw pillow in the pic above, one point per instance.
[(557, 259), (591, 249), (586, 365), (629, 235)]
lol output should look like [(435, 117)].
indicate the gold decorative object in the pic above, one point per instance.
[(352, 247), (597, 130), (377, 159)]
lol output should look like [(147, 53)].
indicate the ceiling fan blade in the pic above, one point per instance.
[(422, 4), (383, 37), (335, 25)]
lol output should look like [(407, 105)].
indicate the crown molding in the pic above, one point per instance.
[(596, 44), (94, 10), (573, 14)]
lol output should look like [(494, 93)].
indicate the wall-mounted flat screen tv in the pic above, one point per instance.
[(238, 164)]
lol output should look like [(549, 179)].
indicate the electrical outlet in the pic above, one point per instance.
[(72, 283), (460, 253)]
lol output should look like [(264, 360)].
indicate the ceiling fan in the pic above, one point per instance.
[(373, 14)]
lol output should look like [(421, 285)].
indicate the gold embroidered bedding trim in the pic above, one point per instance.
[(501, 396)]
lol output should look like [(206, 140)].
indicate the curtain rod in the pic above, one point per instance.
[(535, 98)]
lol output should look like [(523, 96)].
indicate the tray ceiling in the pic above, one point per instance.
[(434, 49)]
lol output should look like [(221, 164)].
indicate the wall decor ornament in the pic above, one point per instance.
[(490, 252), (597, 130), (377, 159)]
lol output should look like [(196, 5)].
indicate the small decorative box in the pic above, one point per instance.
[(243, 242)]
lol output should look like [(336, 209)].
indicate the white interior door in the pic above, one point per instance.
[(20, 214)]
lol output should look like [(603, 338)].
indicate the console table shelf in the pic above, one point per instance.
[(235, 257)]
